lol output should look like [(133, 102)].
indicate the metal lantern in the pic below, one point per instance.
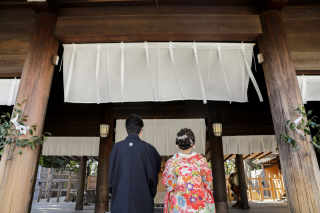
[(104, 130), (217, 129)]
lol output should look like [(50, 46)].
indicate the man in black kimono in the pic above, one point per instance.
[(133, 172)]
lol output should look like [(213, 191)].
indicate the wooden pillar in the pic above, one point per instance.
[(242, 182), (217, 162), (18, 176), (106, 144), (299, 168), (81, 183)]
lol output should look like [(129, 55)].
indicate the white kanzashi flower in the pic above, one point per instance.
[(23, 129)]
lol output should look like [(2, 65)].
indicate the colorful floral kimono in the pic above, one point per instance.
[(188, 179)]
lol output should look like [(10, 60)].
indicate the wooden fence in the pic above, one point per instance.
[(46, 183), (269, 188)]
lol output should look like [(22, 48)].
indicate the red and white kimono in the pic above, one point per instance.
[(188, 179)]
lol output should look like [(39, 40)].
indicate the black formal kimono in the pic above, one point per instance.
[(133, 176)]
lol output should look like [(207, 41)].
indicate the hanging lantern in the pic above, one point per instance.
[(104, 130), (217, 129)]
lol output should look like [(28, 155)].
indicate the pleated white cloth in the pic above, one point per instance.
[(157, 71), (162, 133), (71, 146), (309, 87), (8, 91), (249, 144)]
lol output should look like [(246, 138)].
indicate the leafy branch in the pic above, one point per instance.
[(302, 128), (10, 136)]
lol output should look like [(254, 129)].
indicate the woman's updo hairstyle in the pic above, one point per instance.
[(185, 139)]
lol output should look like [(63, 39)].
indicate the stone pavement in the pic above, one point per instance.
[(264, 207)]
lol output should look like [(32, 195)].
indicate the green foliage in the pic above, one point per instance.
[(57, 163), (229, 166), (257, 166), (72, 166), (94, 168), (303, 127), (9, 135), (52, 162)]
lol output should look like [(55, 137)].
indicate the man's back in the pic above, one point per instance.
[(133, 176)]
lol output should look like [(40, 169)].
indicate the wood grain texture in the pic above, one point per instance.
[(302, 25), (81, 183), (284, 93), (151, 10), (15, 31), (16, 195), (106, 144), (166, 27)]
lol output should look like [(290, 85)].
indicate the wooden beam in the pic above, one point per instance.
[(301, 172), (217, 161), (87, 3), (306, 60), (164, 9), (167, 27), (264, 5), (308, 72), (265, 155), (227, 158), (253, 155), (46, 6), (35, 87), (246, 156), (106, 144), (81, 183)]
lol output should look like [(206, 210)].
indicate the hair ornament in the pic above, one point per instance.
[(182, 137)]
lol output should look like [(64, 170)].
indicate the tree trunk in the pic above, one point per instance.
[(18, 176), (300, 168)]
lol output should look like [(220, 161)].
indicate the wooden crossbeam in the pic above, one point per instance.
[(265, 155), (228, 157), (152, 27)]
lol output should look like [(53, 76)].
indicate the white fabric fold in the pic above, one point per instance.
[(248, 68), (204, 96), (67, 88), (97, 71), (248, 144), (157, 71), (224, 73)]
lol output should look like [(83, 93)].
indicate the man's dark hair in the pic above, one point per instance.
[(134, 124)]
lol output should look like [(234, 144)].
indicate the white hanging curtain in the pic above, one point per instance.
[(309, 87), (152, 71), (8, 91), (162, 133), (71, 146), (249, 144)]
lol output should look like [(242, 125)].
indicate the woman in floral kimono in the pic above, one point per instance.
[(187, 177)]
